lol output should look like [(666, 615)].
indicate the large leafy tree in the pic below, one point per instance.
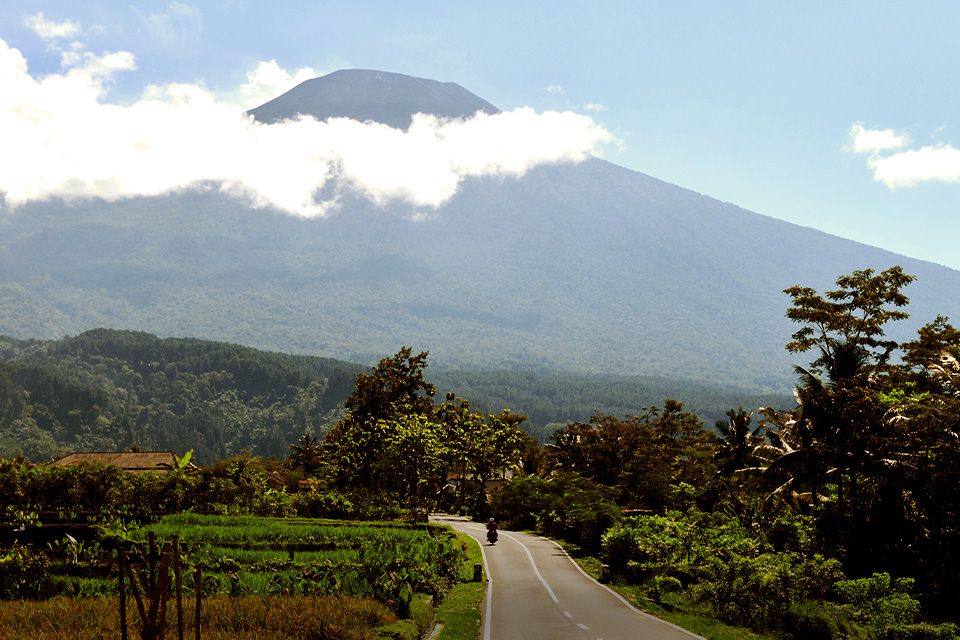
[(358, 447), (846, 325), (841, 437), (641, 456), (481, 448)]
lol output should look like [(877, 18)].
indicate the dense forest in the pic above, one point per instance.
[(106, 390)]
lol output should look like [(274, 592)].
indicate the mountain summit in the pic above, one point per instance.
[(573, 268), (388, 98)]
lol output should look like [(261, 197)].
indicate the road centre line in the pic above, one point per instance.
[(535, 570)]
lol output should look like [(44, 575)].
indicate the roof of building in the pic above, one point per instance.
[(132, 461)]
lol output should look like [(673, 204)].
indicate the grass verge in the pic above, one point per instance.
[(459, 613), (681, 614)]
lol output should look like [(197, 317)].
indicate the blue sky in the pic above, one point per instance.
[(838, 116)]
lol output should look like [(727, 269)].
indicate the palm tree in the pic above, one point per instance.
[(739, 442), (306, 454)]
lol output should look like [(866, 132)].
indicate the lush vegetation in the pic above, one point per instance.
[(298, 578), (838, 518), (106, 390)]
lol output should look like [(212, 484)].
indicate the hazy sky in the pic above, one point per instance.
[(839, 116)]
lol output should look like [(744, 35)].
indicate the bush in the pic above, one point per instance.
[(660, 585), (879, 602), (313, 504), (24, 574), (810, 620), (619, 547), (922, 631)]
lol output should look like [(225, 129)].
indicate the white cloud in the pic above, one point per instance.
[(873, 140), (62, 140), (51, 30), (594, 106), (906, 168), (269, 80), (554, 89), (913, 166)]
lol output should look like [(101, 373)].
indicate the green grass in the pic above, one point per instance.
[(459, 613), (277, 533), (678, 611), (266, 557)]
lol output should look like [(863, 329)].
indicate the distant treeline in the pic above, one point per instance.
[(107, 389)]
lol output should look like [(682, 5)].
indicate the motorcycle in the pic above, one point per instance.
[(492, 536)]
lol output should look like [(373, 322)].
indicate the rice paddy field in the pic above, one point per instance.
[(289, 578)]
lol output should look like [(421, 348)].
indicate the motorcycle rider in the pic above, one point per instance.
[(492, 531)]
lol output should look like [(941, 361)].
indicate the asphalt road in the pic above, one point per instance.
[(537, 592)]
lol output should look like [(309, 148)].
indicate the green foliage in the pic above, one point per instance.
[(642, 457), (106, 390), (759, 591), (104, 492), (316, 504), (24, 574), (811, 620), (569, 507), (386, 562), (880, 602), (920, 631)]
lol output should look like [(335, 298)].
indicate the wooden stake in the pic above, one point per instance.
[(159, 595), (123, 597), (152, 557), (176, 574), (199, 591), (125, 561)]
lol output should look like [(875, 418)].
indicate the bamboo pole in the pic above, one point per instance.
[(133, 584), (152, 557), (176, 574), (159, 603), (123, 597), (198, 592)]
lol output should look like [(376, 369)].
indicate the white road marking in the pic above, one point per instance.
[(489, 616), (618, 596), (535, 570)]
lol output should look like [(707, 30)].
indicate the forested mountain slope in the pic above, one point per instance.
[(105, 390), (584, 268)]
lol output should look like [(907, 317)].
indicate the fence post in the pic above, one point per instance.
[(176, 574), (152, 556), (604, 573), (123, 597), (158, 608), (125, 563), (199, 590)]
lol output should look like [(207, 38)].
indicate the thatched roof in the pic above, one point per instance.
[(132, 461)]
